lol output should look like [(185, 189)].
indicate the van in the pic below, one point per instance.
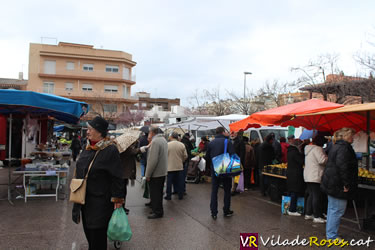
[(262, 132)]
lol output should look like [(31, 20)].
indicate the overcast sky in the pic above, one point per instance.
[(180, 46)]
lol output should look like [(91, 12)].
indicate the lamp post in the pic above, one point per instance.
[(244, 84)]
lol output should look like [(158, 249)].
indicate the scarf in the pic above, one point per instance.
[(102, 144)]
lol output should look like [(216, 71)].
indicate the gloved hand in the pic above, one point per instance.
[(143, 149), (76, 213)]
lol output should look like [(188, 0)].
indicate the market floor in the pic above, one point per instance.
[(43, 223)]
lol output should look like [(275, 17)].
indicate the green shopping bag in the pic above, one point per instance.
[(119, 227), (146, 193)]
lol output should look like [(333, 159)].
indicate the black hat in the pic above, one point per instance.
[(99, 124)]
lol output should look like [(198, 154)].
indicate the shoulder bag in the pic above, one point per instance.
[(78, 186)]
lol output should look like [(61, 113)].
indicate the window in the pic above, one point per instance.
[(70, 65), (48, 87), (125, 73), (111, 68), (49, 67), (125, 92), (69, 86), (110, 88), (254, 135), (144, 104), (110, 108), (88, 67), (87, 87)]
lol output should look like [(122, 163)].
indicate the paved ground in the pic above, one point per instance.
[(46, 224)]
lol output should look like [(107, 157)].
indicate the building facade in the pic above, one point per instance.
[(101, 78), (146, 102)]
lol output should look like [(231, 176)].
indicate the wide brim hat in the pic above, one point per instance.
[(126, 139)]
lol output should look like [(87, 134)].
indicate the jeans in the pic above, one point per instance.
[(175, 178), (227, 183), (143, 168), (314, 200), (336, 209)]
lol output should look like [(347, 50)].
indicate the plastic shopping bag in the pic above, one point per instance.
[(146, 193), (119, 227), (225, 164), (285, 204), (202, 164), (240, 186)]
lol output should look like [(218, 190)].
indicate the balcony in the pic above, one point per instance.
[(91, 95)]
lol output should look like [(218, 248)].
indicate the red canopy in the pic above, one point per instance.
[(277, 116), (352, 116)]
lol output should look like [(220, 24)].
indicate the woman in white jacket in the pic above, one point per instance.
[(315, 160)]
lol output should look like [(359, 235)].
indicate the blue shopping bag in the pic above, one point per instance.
[(119, 227), (285, 204), (225, 164)]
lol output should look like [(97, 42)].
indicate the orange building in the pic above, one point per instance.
[(101, 78)]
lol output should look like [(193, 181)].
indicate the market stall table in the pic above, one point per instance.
[(36, 172)]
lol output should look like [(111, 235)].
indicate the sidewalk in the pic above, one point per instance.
[(43, 223)]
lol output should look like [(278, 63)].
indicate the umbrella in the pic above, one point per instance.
[(279, 115), (126, 139)]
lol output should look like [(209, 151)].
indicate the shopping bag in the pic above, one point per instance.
[(225, 164), (240, 187), (119, 227), (146, 193), (202, 164), (285, 204)]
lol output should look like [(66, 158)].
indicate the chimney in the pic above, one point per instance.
[(20, 76)]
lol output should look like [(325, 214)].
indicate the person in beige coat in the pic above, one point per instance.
[(315, 160), (177, 155)]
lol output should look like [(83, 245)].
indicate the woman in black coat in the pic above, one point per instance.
[(294, 175), (105, 184), (339, 180), (266, 155)]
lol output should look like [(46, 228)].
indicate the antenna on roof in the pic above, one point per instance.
[(42, 38)]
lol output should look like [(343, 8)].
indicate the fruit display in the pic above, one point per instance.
[(366, 177), (278, 169)]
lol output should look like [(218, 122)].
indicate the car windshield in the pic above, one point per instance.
[(278, 133)]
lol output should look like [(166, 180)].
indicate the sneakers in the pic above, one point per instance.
[(319, 220), (294, 213), (309, 217)]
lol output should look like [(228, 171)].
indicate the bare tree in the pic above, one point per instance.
[(131, 118), (273, 92), (218, 106), (315, 72)]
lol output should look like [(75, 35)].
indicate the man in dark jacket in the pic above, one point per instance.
[(189, 147), (266, 155), (215, 148), (339, 180), (294, 174), (239, 149)]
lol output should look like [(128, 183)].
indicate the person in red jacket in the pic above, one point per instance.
[(284, 149)]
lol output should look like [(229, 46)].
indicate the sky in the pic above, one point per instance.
[(182, 46)]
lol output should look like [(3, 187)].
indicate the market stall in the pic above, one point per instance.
[(26, 104)]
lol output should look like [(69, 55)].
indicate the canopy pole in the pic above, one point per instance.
[(10, 159), (368, 140)]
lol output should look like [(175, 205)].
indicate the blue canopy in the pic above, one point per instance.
[(22, 102)]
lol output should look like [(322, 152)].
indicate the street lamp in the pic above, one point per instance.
[(244, 84)]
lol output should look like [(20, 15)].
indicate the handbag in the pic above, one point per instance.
[(78, 186), (241, 187), (225, 164)]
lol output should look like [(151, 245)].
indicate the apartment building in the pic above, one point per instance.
[(101, 78), (146, 102)]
